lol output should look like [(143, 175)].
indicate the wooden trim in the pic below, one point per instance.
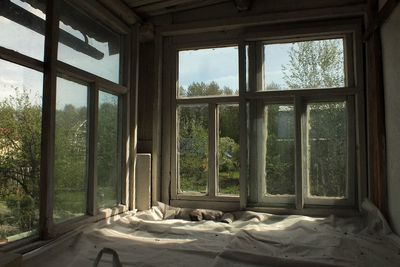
[(157, 114), (71, 71), (169, 71), (212, 149), (361, 128), (376, 115), (208, 99), (264, 19), (97, 11), (134, 83), (48, 121), (121, 10), (243, 130), (20, 59), (383, 14), (125, 121), (299, 146), (91, 208)]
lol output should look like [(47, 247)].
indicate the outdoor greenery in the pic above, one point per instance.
[(20, 138), (316, 64)]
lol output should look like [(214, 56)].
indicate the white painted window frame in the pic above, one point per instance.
[(353, 93)]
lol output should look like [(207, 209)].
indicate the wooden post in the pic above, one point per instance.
[(48, 121), (376, 113)]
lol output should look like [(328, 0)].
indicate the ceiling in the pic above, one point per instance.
[(150, 8)]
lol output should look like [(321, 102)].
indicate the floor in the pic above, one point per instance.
[(252, 239)]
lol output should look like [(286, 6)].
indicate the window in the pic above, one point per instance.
[(71, 150), (88, 45), (28, 21), (288, 134), (108, 151), (299, 152), (20, 137), (21, 84), (75, 153), (207, 136)]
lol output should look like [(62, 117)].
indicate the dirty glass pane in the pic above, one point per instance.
[(208, 72), (280, 149), (108, 151), (71, 146), (228, 150), (192, 148), (20, 138), (327, 149), (304, 65), (22, 26), (88, 45)]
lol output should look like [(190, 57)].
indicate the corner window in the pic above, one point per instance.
[(288, 134)]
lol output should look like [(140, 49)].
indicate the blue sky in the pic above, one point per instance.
[(221, 65)]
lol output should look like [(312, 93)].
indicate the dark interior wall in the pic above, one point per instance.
[(146, 97), (391, 74)]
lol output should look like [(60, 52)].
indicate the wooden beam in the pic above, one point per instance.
[(134, 83), (121, 10), (376, 114), (163, 4), (102, 14), (136, 3), (48, 121), (184, 7), (382, 16), (263, 19)]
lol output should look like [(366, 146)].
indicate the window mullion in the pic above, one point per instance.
[(212, 149), (301, 151), (92, 157), (243, 128)]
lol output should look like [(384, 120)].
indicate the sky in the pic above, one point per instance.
[(221, 65)]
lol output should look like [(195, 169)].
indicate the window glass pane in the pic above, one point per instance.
[(228, 150), (87, 45), (327, 149), (280, 153), (108, 151), (70, 170), (192, 148), (208, 72), (22, 26), (304, 65), (20, 137)]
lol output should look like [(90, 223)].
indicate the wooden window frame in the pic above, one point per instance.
[(353, 92), (126, 92)]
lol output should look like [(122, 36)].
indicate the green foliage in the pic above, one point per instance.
[(193, 142), (320, 64), (108, 148), (20, 128), (315, 64), (70, 166)]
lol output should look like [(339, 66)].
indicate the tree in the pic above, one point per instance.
[(193, 141), (20, 128), (315, 64)]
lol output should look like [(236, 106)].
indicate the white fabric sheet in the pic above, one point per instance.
[(253, 239)]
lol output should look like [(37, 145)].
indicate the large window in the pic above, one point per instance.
[(288, 134), (21, 84), (63, 122), (207, 132)]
